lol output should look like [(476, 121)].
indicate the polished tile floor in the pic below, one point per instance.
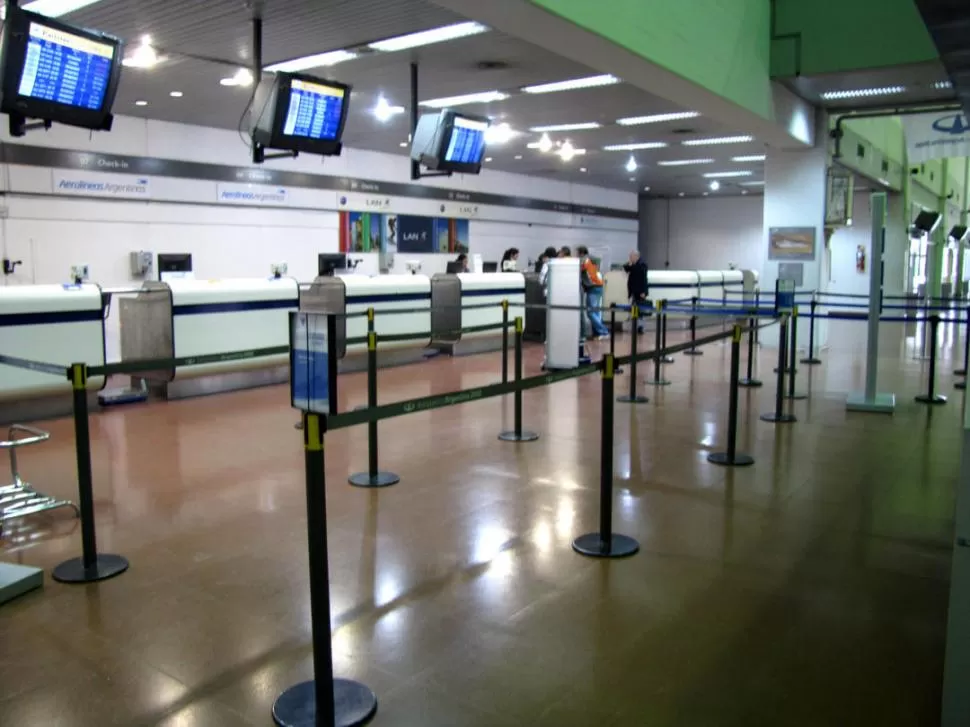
[(809, 589)]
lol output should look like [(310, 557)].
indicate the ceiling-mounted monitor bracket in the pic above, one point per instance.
[(416, 172), (19, 125), (260, 155)]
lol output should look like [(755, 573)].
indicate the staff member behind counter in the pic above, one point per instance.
[(636, 281)]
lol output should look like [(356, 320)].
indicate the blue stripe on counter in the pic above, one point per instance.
[(48, 317), (496, 291), (386, 298), (675, 285), (247, 305)]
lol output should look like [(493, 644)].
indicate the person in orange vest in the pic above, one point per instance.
[(593, 286)]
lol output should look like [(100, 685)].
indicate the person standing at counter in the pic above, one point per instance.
[(461, 262), (542, 265), (636, 282), (510, 260), (593, 288)]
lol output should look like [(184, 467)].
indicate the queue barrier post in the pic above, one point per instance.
[(517, 435), (633, 397), (731, 458), (931, 397), (613, 334), (373, 477), (749, 382), (966, 354), (757, 307), (606, 543), (665, 359), (778, 416), (693, 350), (322, 701), (658, 379), (792, 355), (92, 566), (811, 359), (505, 341), (793, 334)]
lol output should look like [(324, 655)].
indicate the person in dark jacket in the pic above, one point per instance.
[(636, 282)]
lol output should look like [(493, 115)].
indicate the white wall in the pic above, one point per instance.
[(844, 278), (705, 233), (50, 232)]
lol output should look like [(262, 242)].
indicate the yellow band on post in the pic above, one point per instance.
[(737, 333), (314, 437), (505, 304), (79, 376), (370, 314), (608, 366), (635, 312), (518, 324), (371, 341), (794, 312)]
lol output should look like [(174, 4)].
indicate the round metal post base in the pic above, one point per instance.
[(796, 397), (520, 437), (811, 361), (778, 419), (379, 479), (721, 458), (105, 566), (750, 383), (619, 546), (960, 385), (627, 399), (693, 352), (667, 359), (354, 704), (924, 399), (657, 382)]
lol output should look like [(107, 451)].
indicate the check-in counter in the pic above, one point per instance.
[(469, 300)]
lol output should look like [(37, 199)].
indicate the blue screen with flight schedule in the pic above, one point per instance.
[(315, 110), (467, 142), (65, 68)]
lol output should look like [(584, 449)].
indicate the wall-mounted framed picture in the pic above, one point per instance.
[(791, 243)]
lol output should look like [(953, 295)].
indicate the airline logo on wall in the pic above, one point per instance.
[(365, 203), (117, 186), (937, 135), (460, 210), (253, 194)]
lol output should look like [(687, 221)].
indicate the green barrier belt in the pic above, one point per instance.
[(378, 312), (38, 366), (395, 337), (651, 355), (131, 367), (439, 401)]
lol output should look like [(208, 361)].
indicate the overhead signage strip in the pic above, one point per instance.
[(38, 156)]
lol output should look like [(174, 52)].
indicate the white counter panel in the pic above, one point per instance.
[(490, 288), (387, 293)]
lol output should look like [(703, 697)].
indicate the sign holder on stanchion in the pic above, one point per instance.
[(517, 435), (665, 359), (613, 334), (931, 397), (811, 359), (373, 477), (606, 543), (792, 355), (658, 379), (693, 350), (633, 397), (749, 382), (731, 458), (322, 701), (778, 416), (966, 355), (92, 566), (505, 341)]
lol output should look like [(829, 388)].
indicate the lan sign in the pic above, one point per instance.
[(791, 243)]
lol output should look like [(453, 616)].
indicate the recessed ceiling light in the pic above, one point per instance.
[(403, 144), (518, 156), (631, 164), (683, 162), (749, 158), (567, 127), (499, 133), (567, 151), (141, 103), (429, 37), (727, 175), (383, 111), (582, 169), (863, 93), (646, 189), (242, 77), (943, 85), (657, 118), (488, 159), (143, 55), (706, 194), (633, 179), (718, 140), (573, 84), (744, 191), (636, 147), (176, 94), (57, 8), (480, 97), (715, 185), (680, 194), (317, 60)]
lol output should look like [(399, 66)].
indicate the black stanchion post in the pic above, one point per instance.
[(633, 397), (731, 458), (749, 381), (517, 435), (931, 397), (811, 359), (757, 307), (372, 477), (606, 543), (966, 354), (693, 350), (613, 334), (91, 566), (663, 338), (505, 341), (323, 701), (658, 379), (778, 415), (792, 355)]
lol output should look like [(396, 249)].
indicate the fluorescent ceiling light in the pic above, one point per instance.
[(573, 84), (383, 111), (141, 103), (718, 140), (318, 60), (750, 158), (636, 147), (176, 94), (481, 97), (727, 175), (567, 127), (657, 118), (943, 85), (429, 37), (243, 77), (752, 184), (683, 162), (863, 92), (499, 134), (56, 8), (567, 151)]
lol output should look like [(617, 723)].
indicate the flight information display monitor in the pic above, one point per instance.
[(448, 141), (315, 110), (56, 72), (467, 142)]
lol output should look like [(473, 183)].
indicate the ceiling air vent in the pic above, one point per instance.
[(492, 65), (885, 165), (683, 130), (860, 151)]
